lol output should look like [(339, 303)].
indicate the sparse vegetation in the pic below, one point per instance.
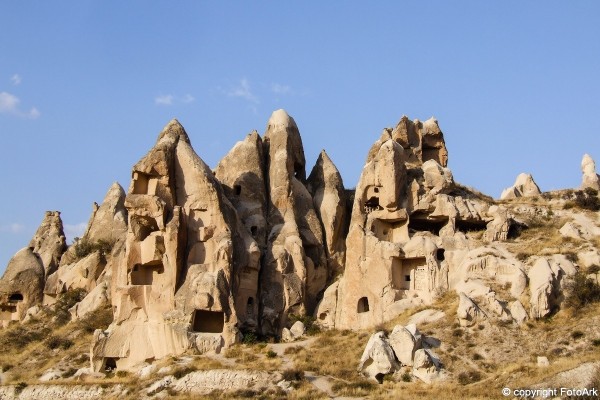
[(271, 354), (293, 374), (84, 247), (577, 335), (309, 323), (466, 378), (581, 291), (56, 342)]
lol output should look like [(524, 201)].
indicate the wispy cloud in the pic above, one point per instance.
[(164, 100), (16, 79), (281, 89), (73, 231), (9, 104), (12, 228), (243, 91), (170, 99)]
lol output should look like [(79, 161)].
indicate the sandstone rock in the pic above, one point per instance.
[(590, 178), (424, 366), (108, 221), (204, 382), (98, 298), (426, 316), (378, 358), (183, 262), (21, 286), (543, 362), (295, 269), (49, 241), (405, 341), (541, 284), (294, 333), (518, 312), (325, 312), (326, 186), (468, 312), (524, 186)]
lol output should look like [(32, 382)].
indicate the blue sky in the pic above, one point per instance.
[(85, 87)]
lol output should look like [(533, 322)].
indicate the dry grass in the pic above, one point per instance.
[(334, 353)]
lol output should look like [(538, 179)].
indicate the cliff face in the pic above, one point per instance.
[(191, 259)]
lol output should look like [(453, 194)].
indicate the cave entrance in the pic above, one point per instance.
[(363, 305), (110, 364), (426, 225), (144, 183), (470, 226), (208, 321), (15, 297), (406, 273), (144, 274)]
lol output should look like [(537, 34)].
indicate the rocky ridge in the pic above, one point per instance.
[(194, 260)]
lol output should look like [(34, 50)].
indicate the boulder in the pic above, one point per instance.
[(378, 358), (541, 285), (518, 312), (405, 341), (524, 186), (468, 312)]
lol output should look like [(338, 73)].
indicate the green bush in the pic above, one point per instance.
[(249, 337), (84, 247), (271, 354), (582, 291), (293, 374), (98, 319), (406, 377), (55, 342), (183, 371)]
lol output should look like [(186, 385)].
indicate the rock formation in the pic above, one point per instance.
[(49, 241), (524, 186), (21, 286), (590, 178), (407, 229), (184, 260)]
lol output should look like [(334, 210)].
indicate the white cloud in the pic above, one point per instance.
[(13, 228), (243, 91), (73, 231), (188, 98), (281, 89), (9, 104), (170, 99), (165, 100), (16, 79)]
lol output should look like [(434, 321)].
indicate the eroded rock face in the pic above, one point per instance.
[(49, 241), (590, 178), (524, 186), (295, 265), (21, 286), (183, 260), (108, 221), (326, 186)]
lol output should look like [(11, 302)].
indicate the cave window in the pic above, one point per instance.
[(363, 305), (144, 275), (322, 316), (208, 321), (376, 189), (15, 297), (110, 364), (407, 278), (372, 204), (440, 254), (253, 230), (237, 189), (250, 306)]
